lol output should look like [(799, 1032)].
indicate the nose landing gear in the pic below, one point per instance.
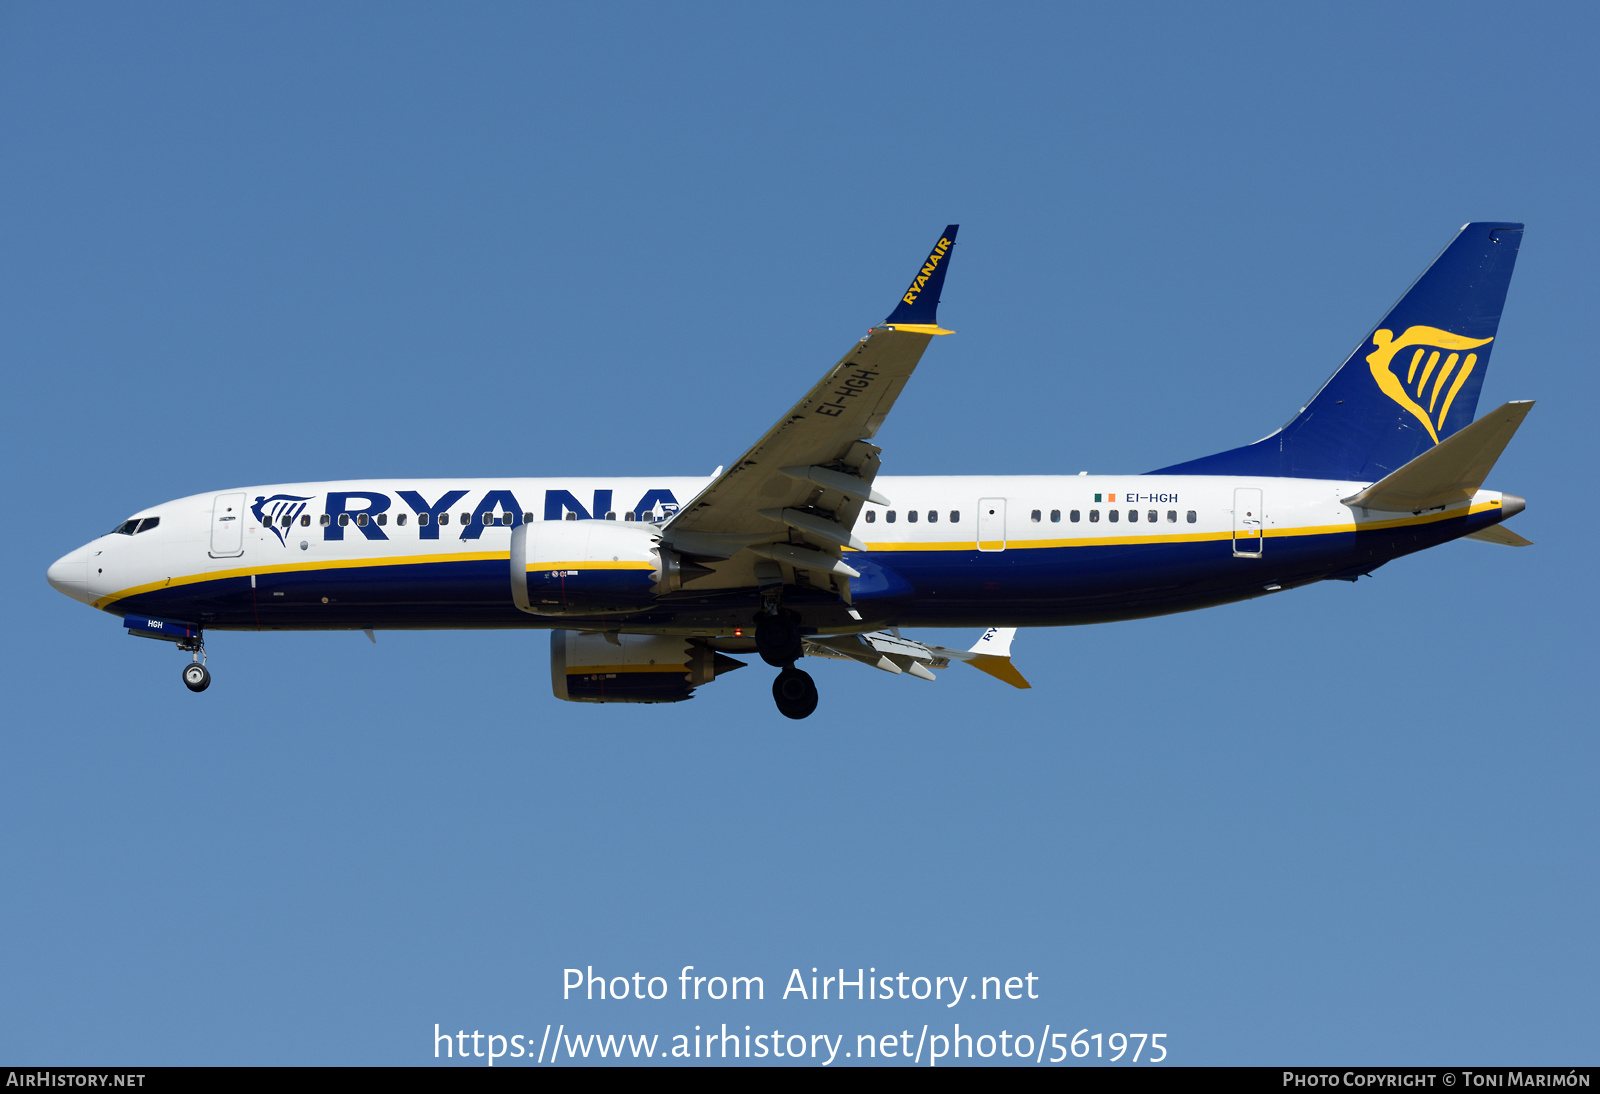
[(196, 677), (779, 643)]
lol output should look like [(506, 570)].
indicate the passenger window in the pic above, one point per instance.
[(325, 520), (955, 516), (1152, 516), (505, 519), (1073, 516), (572, 516), (1191, 516), (609, 516), (383, 519), (1055, 516), (911, 515), (400, 520), (889, 516), (872, 517), (344, 520), (361, 520), (1133, 516), (422, 520), (444, 518), (527, 518), (305, 521), (933, 516), (466, 518), (1034, 516), (1094, 516), (1113, 515), (630, 516), (1172, 516)]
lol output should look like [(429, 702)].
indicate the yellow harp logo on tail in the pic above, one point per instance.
[(1417, 380)]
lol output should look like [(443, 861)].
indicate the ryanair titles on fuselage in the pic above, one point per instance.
[(360, 510)]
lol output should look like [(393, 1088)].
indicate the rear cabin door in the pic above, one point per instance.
[(1247, 522), (991, 524), (227, 526)]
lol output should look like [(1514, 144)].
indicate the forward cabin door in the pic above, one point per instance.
[(1247, 522), (227, 526), (991, 524)]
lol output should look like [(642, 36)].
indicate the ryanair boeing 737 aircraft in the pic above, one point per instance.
[(800, 548)]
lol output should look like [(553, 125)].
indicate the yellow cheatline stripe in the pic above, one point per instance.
[(301, 567), (539, 567), (592, 670), (1193, 537)]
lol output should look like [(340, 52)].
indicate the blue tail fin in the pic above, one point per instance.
[(1410, 384)]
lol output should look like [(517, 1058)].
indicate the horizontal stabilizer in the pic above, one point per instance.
[(1499, 533), (1451, 471)]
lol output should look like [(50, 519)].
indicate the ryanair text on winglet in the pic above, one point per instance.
[(940, 249)]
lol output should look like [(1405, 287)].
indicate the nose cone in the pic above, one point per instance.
[(70, 574), (1511, 505)]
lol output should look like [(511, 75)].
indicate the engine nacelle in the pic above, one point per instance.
[(589, 567), (635, 668)]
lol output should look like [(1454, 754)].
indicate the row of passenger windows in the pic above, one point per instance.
[(1151, 516), (911, 516), (382, 519)]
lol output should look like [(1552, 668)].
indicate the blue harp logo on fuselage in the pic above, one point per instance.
[(278, 512)]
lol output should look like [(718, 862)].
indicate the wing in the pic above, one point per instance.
[(787, 505)]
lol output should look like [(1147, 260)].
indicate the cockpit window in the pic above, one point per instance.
[(134, 525)]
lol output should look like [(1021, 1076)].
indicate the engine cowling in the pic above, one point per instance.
[(635, 668), (589, 567)]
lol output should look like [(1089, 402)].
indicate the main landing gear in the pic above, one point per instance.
[(779, 643)]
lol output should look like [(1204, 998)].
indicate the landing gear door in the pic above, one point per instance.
[(1247, 522), (991, 524), (227, 526)]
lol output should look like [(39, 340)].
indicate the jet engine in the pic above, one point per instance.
[(631, 668), (591, 567)]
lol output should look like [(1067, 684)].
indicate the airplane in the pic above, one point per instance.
[(801, 548)]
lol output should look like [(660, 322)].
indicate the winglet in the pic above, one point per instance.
[(918, 309), (992, 655)]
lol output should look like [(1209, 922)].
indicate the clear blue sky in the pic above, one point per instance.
[(291, 242)]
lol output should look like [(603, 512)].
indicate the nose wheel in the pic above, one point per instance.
[(196, 677), (795, 693)]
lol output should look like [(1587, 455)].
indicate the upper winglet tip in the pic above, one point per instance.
[(919, 304)]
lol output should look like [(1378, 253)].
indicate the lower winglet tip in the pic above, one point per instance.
[(1001, 668)]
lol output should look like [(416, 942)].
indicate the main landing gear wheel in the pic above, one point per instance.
[(778, 641), (196, 677), (795, 693)]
